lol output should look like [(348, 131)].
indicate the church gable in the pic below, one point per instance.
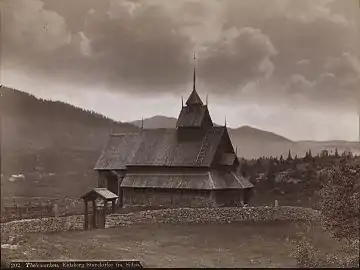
[(191, 117), (194, 116), (225, 154), (194, 99)]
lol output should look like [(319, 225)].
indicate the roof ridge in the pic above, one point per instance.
[(124, 134)]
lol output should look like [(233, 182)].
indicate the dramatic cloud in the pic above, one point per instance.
[(239, 57), (299, 52)]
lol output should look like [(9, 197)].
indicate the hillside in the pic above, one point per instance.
[(54, 144), (157, 121), (249, 133)]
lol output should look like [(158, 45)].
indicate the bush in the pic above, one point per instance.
[(340, 216), (307, 256)]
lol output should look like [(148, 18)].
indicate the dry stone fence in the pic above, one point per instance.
[(175, 216)]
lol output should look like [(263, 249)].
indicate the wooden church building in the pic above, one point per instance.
[(194, 165)]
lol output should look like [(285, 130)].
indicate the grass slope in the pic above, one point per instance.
[(263, 244)]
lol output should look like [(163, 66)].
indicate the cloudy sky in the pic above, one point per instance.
[(288, 66)]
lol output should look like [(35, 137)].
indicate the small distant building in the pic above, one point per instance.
[(324, 153), (194, 165)]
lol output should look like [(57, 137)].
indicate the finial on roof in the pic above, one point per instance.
[(142, 122), (225, 120), (194, 79), (207, 99), (194, 98), (182, 102)]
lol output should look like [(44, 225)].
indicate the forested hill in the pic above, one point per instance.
[(38, 123), (54, 144), (15, 103)]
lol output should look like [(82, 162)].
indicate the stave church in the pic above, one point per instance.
[(192, 165)]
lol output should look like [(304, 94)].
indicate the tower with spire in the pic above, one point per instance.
[(194, 115)]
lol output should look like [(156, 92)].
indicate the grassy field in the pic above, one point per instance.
[(264, 244)]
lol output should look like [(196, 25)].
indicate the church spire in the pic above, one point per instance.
[(194, 98), (195, 114), (194, 79)]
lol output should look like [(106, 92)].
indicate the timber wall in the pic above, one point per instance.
[(228, 197), (166, 198)]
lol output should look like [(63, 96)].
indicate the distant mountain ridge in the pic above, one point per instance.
[(258, 134), (252, 142), (160, 121), (157, 121)]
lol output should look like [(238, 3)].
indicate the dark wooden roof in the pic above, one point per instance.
[(158, 147), (195, 113), (211, 180), (194, 99), (99, 192), (119, 150), (227, 159), (192, 116)]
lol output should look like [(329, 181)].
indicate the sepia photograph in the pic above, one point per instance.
[(180, 134)]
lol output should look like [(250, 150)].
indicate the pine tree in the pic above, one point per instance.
[(336, 153), (289, 156)]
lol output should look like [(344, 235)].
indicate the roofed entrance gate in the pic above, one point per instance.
[(99, 210)]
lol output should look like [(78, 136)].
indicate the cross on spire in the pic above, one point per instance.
[(194, 98), (194, 80)]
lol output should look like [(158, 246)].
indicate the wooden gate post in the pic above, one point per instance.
[(86, 219), (94, 214), (113, 206)]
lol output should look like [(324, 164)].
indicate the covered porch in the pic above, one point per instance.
[(99, 198)]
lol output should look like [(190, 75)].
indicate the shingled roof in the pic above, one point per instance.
[(99, 192), (157, 147), (213, 180), (194, 99), (191, 117)]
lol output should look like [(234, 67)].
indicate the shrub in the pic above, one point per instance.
[(307, 256), (340, 201), (339, 204)]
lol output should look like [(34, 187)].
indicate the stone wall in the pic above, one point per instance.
[(175, 216), (51, 224), (213, 215)]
